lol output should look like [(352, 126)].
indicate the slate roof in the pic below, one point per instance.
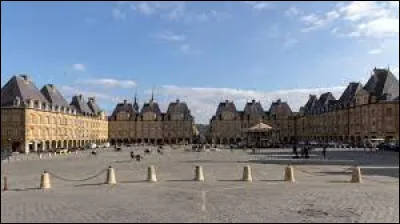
[(78, 102), (124, 107), (178, 107), (53, 95), (151, 106), (325, 98), (383, 84), (20, 86), (280, 107), (93, 105), (254, 108), (226, 106), (348, 96), (312, 104)]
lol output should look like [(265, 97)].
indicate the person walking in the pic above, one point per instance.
[(324, 151)]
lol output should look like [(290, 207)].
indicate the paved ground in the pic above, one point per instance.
[(321, 194)]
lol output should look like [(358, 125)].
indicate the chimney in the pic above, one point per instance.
[(253, 101), (25, 77), (279, 101), (177, 100), (125, 102), (226, 101)]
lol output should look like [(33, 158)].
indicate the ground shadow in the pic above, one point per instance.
[(339, 181), (133, 181), (124, 161), (301, 162), (183, 180), (276, 180), (388, 172), (206, 161), (25, 189), (86, 185), (236, 180)]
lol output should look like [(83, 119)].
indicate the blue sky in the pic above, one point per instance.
[(200, 52)]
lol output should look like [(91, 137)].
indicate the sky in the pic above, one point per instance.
[(198, 52)]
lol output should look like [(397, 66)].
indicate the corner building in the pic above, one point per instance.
[(38, 120)]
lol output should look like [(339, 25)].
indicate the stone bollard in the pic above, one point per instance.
[(151, 174), (289, 174), (111, 176), (356, 175), (5, 184), (247, 174), (45, 181), (40, 156), (199, 176)]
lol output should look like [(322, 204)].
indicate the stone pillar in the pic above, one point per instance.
[(66, 146), (43, 146), (35, 146), (56, 146), (26, 147)]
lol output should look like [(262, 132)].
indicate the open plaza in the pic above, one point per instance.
[(322, 191)]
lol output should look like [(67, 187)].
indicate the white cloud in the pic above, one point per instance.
[(79, 67), (111, 83), (380, 28), (188, 49), (69, 91), (171, 10), (258, 5), (118, 14), (203, 102), (313, 21), (292, 11), (375, 51), (171, 36), (358, 10)]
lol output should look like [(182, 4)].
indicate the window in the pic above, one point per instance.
[(389, 112)]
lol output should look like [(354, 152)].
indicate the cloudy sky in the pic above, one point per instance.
[(199, 52)]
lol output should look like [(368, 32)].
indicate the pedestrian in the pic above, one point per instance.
[(132, 155), (324, 151), (296, 154)]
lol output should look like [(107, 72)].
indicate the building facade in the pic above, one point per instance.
[(361, 113), (151, 126), (39, 120)]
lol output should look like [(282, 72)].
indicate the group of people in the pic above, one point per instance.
[(305, 150)]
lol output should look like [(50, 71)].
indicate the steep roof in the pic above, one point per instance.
[(311, 104), (20, 86), (348, 96), (254, 108), (226, 106), (93, 105), (280, 107), (178, 107), (53, 95), (325, 98), (151, 106), (381, 83), (124, 107), (78, 102)]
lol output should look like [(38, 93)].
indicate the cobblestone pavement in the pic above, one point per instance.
[(321, 194)]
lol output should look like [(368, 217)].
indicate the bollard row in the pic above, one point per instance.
[(199, 176)]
